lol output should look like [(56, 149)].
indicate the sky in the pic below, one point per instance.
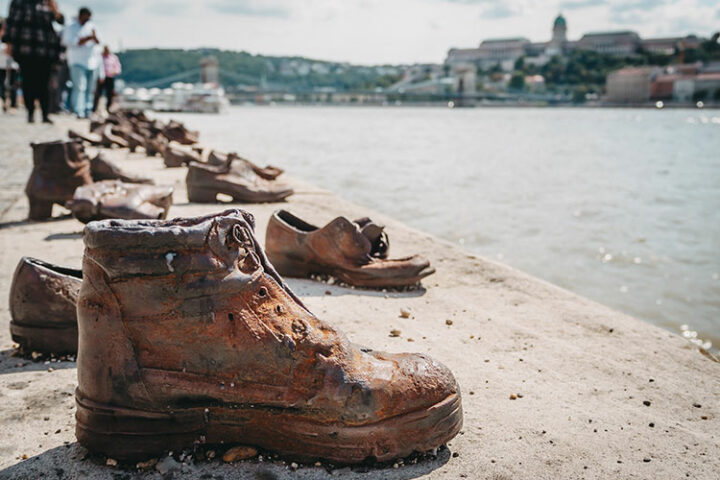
[(376, 31)]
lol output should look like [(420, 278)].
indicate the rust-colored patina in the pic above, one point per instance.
[(116, 199), (237, 180), (188, 334), (43, 301), (354, 252), (58, 169)]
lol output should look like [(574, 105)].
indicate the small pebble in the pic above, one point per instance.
[(111, 462), (646, 459), (697, 405), (513, 396), (410, 339), (293, 466), (448, 322), (651, 425), (147, 465), (395, 333), (404, 313), (328, 292), (241, 452), (646, 403), (455, 454)]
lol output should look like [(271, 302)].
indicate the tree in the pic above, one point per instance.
[(517, 81)]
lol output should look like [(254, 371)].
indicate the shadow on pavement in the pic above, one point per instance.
[(11, 363), (63, 236), (20, 223), (69, 462)]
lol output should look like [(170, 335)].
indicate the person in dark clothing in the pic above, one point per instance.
[(8, 74), (35, 46)]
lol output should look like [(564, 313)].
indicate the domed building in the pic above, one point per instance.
[(558, 43)]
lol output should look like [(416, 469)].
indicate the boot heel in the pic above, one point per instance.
[(39, 209), (202, 195), (128, 434)]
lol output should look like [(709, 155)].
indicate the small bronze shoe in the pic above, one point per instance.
[(92, 139), (268, 172), (205, 182), (115, 199), (58, 169), (354, 252), (43, 300), (110, 139), (103, 169), (154, 144), (176, 132), (189, 336), (175, 156)]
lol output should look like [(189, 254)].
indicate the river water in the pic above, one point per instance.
[(618, 205)]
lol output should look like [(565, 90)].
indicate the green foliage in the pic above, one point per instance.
[(517, 81), (244, 69)]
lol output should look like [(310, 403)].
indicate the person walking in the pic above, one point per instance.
[(111, 68), (8, 74), (35, 47), (83, 57)]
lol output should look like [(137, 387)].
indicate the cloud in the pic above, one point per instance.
[(580, 4), (500, 10), (254, 8), (106, 7)]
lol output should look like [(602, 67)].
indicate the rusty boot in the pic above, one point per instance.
[(354, 252), (43, 301), (188, 335), (58, 169)]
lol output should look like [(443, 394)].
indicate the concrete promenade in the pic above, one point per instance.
[(597, 394)]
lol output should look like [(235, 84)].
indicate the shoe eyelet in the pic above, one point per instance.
[(279, 309), (262, 292)]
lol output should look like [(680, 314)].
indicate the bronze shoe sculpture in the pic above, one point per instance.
[(90, 138), (175, 156), (353, 252), (205, 182), (103, 169), (115, 199), (188, 335), (154, 144), (110, 139), (58, 169), (43, 301), (268, 172), (176, 132)]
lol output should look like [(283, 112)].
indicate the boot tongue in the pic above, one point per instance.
[(379, 242)]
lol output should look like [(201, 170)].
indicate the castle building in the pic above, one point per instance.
[(504, 52)]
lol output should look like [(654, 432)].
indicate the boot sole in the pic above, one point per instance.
[(126, 434), (288, 267), (45, 339)]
